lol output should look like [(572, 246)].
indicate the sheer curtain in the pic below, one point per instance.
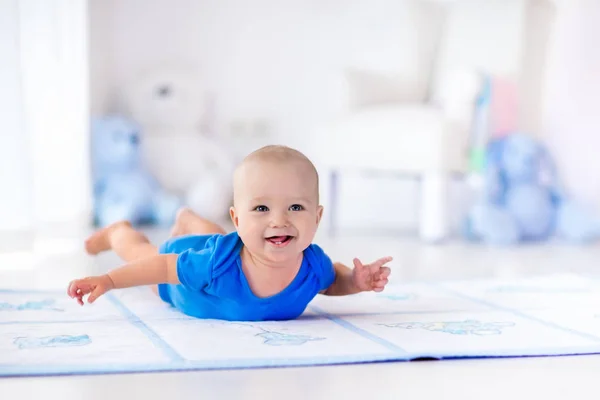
[(45, 178)]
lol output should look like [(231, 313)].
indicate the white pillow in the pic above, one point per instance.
[(368, 88)]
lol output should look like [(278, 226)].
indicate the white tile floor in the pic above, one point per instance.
[(58, 259)]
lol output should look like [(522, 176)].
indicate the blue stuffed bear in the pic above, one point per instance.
[(521, 200), (123, 189)]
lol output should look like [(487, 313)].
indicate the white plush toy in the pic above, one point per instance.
[(170, 105)]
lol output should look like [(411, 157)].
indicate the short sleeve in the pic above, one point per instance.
[(323, 266), (194, 268)]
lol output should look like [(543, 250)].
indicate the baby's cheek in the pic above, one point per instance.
[(248, 237)]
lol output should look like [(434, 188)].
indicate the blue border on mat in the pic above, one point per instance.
[(150, 334), (396, 353), (75, 369), (353, 328)]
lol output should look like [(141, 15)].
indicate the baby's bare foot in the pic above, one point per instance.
[(180, 227), (99, 241)]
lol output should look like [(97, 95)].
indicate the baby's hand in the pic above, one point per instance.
[(95, 286), (372, 276)]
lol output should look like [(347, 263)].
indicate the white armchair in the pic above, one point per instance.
[(423, 129), (428, 140)]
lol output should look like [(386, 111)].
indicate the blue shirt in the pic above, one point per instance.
[(213, 285)]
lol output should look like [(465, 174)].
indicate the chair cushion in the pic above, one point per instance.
[(404, 138)]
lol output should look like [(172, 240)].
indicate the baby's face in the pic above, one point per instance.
[(276, 210)]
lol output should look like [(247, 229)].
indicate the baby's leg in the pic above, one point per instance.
[(188, 222), (129, 244)]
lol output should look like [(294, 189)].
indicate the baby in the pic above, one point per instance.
[(267, 269)]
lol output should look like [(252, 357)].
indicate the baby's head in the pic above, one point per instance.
[(276, 207)]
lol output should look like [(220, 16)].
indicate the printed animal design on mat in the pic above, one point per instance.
[(536, 290), (51, 341), (277, 338), (398, 296), (466, 327), (47, 305), (272, 338)]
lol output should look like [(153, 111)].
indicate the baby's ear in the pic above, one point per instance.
[(319, 213), (233, 216)]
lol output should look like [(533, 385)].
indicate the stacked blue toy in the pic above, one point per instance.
[(123, 188), (521, 199)]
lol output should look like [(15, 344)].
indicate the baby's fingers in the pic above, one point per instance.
[(380, 283), (384, 272), (381, 279), (97, 292), (382, 261), (375, 266), (78, 287), (73, 288), (357, 264), (378, 286)]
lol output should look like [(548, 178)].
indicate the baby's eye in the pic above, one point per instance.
[(296, 207), (261, 208)]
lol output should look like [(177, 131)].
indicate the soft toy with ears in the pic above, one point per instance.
[(123, 188), (522, 200)]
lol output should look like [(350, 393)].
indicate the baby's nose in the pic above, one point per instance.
[(279, 220)]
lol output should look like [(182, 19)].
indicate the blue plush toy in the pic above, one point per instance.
[(522, 201), (123, 189)]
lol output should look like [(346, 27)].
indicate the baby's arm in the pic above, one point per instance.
[(362, 278), (343, 283), (149, 271)]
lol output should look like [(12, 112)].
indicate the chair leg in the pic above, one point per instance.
[(434, 204)]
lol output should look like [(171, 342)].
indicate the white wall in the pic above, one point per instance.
[(485, 35), (572, 112), (283, 61), (15, 172), (278, 60)]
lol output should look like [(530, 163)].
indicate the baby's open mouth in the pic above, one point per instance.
[(279, 240)]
